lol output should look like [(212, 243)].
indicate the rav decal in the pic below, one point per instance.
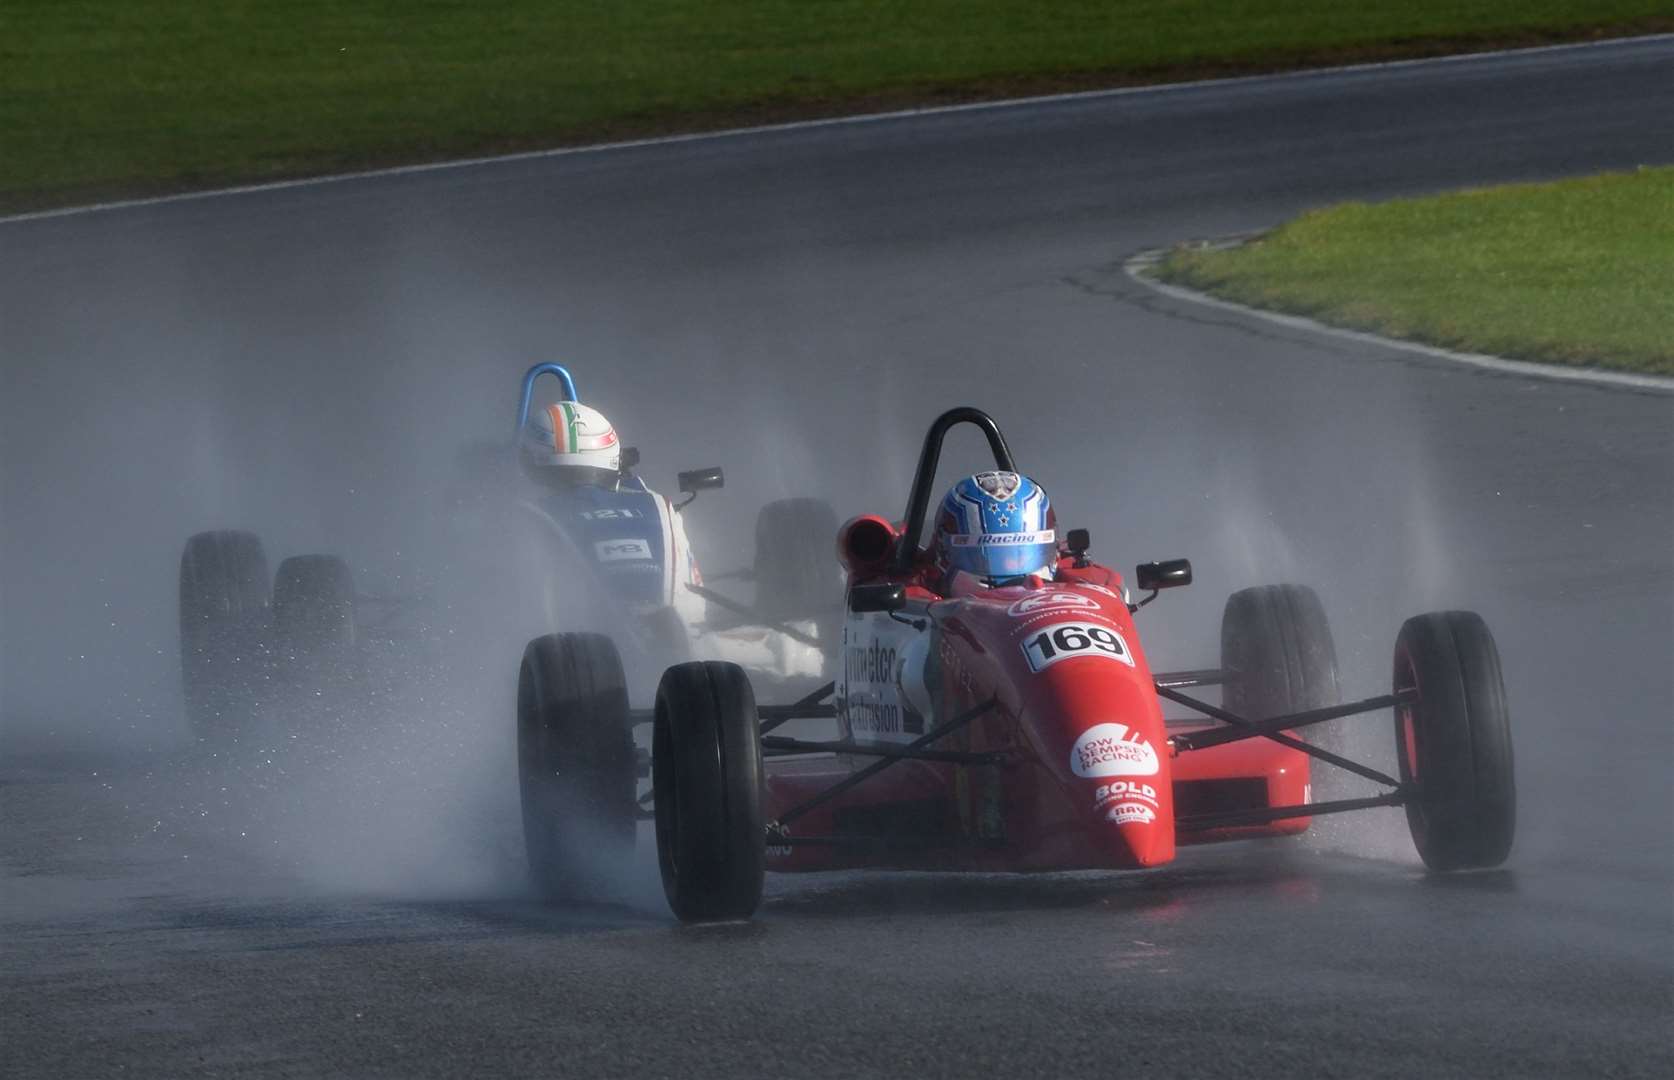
[(1066, 640), (1112, 750), (1050, 601), (1122, 813)]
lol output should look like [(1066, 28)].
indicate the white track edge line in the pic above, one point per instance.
[(828, 121), (1135, 266)]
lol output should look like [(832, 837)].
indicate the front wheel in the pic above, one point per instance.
[(576, 765), (706, 774), (1454, 741)]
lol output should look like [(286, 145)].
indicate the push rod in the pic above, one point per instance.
[(1200, 740), (881, 764), (1265, 814), (1282, 739), (755, 617), (783, 745)]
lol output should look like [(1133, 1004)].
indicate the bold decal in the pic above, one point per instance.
[(1112, 750), (1066, 640), (612, 514), (1122, 791), (1050, 601), (621, 550)]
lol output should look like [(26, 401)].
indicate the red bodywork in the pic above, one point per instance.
[(1088, 778)]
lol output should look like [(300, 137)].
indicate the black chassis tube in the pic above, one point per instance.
[(1263, 815), (1202, 740), (778, 744), (878, 766), (1277, 736), (754, 616), (1182, 679)]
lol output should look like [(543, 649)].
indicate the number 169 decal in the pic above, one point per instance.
[(1065, 640)]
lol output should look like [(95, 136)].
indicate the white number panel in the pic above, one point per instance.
[(1066, 640)]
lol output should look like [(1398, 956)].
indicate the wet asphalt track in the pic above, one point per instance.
[(797, 306)]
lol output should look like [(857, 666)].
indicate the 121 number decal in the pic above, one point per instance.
[(1062, 641)]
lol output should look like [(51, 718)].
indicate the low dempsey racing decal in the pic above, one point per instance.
[(1067, 640), (1112, 750)]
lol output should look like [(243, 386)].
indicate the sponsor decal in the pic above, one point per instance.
[(999, 485), (1044, 536), (1066, 640), (1050, 600), (883, 717), (621, 550), (1123, 813), (1112, 750), (1112, 593), (1122, 791), (873, 663)]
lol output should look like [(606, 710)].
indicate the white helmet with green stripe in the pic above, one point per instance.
[(570, 435)]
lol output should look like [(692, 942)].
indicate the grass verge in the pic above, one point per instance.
[(128, 97), (1577, 272)]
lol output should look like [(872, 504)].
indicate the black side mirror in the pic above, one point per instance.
[(630, 458), (1152, 576), (698, 480), (887, 597), (1077, 543)]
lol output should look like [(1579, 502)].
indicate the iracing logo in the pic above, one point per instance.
[(1112, 750)]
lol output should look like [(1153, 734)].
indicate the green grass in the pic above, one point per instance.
[(101, 97), (1578, 272)]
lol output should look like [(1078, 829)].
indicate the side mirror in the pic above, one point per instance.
[(698, 480), (1077, 543), (630, 458), (886, 597), (1152, 576)]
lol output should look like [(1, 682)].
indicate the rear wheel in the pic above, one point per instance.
[(224, 606), (576, 764), (1277, 644), (314, 604), (796, 571), (1454, 742), (707, 778)]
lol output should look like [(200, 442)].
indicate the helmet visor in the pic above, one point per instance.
[(1002, 555)]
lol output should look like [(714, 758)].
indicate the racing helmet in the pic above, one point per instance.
[(571, 443), (996, 525)]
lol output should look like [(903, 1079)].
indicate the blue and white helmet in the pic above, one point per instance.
[(997, 525)]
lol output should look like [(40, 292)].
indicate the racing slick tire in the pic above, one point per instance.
[(1453, 743), (576, 765), (1277, 642), (314, 604), (706, 777), (224, 605), (796, 571)]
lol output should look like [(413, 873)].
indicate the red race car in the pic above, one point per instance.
[(1014, 728)]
